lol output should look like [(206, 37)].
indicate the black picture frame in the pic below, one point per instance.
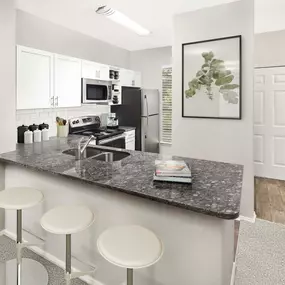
[(239, 38)]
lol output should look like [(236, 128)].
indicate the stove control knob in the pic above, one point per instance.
[(77, 122), (74, 122)]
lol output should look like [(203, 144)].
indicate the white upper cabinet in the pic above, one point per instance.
[(47, 80), (89, 70), (138, 79), (67, 81), (94, 70), (104, 72), (130, 78), (34, 78)]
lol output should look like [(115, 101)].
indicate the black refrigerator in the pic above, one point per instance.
[(140, 109)]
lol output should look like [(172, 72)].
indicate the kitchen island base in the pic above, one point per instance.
[(198, 249)]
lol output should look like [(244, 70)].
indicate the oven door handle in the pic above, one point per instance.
[(102, 142)]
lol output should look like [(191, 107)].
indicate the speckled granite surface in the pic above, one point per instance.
[(215, 191)]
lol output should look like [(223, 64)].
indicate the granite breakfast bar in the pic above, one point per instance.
[(195, 223)]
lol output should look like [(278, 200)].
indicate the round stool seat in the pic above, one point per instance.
[(130, 246), (20, 198), (67, 219)]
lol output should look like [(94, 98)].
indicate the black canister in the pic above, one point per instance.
[(115, 99), (43, 126), (33, 127), (21, 130)]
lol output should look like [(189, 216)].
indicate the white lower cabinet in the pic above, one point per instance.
[(34, 78), (131, 140)]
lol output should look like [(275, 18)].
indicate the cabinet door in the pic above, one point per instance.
[(88, 69), (138, 80), (130, 145), (104, 72), (34, 79), (97, 67), (127, 77), (67, 81)]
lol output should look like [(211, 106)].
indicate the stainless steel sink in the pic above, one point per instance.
[(100, 154), (110, 156), (90, 151)]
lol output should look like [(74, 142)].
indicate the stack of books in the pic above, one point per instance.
[(172, 171)]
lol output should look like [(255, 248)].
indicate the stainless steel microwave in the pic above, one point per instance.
[(96, 91)]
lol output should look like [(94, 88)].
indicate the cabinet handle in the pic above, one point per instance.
[(56, 102), (52, 101)]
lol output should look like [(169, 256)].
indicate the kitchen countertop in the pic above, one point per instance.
[(215, 191), (127, 129)]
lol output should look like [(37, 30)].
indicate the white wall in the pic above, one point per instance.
[(41, 34), (7, 84), (269, 49), (150, 63), (7, 76), (221, 140)]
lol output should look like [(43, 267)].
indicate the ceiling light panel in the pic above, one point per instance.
[(122, 20)]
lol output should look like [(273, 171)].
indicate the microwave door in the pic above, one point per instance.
[(95, 91)]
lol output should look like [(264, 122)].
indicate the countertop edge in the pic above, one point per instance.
[(224, 216)]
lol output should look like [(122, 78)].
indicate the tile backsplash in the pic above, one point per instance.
[(38, 116)]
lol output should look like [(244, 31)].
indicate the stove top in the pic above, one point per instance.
[(91, 125), (101, 133)]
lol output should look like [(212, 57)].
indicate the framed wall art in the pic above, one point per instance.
[(211, 79)]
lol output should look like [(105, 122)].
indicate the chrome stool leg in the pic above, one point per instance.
[(68, 272), (19, 246), (130, 276), (68, 260)]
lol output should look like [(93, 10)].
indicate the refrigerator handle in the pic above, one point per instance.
[(147, 114)]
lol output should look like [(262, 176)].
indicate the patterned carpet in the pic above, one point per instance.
[(261, 254)]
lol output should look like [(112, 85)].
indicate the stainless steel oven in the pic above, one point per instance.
[(96, 91), (116, 141)]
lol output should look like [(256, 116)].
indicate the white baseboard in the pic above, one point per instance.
[(233, 274), (52, 258), (247, 219)]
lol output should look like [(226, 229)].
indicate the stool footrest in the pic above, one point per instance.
[(73, 275), (80, 274), (27, 244)]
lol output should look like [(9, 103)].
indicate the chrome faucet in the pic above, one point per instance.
[(81, 152)]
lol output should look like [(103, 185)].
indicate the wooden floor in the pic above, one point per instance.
[(270, 200)]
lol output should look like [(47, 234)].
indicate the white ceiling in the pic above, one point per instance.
[(155, 15)]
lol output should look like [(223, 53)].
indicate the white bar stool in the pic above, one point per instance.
[(67, 220), (20, 198), (131, 247)]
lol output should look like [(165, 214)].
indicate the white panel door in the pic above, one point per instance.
[(67, 81), (34, 78), (269, 122)]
